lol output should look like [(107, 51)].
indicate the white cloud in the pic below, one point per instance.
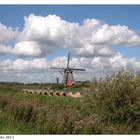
[(93, 43), (43, 34), (90, 50), (27, 48), (49, 32), (39, 69), (6, 33), (115, 35), (59, 62), (4, 49), (118, 61), (30, 65), (21, 66)]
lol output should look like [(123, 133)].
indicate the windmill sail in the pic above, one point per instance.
[(77, 69), (57, 68), (68, 78), (68, 59)]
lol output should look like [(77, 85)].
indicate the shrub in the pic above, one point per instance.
[(119, 97)]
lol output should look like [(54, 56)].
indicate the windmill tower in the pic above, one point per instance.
[(68, 77)]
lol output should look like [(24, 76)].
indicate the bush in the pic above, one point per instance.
[(119, 98)]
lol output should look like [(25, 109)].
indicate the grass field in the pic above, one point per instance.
[(107, 106)]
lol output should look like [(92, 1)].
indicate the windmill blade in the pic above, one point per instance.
[(57, 68), (77, 69), (68, 59)]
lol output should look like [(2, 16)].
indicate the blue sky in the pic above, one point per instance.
[(120, 19), (13, 15), (112, 14)]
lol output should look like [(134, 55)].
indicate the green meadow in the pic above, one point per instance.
[(108, 106)]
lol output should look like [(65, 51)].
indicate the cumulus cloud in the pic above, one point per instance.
[(5, 49), (46, 33), (115, 35), (27, 48), (118, 62), (92, 42), (46, 29), (40, 68), (43, 34), (89, 50), (59, 62), (6, 34), (21, 65)]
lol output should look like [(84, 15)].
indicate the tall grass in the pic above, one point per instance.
[(108, 106)]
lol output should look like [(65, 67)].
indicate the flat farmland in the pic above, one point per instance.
[(107, 106)]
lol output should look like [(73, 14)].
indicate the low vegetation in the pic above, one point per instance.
[(107, 106)]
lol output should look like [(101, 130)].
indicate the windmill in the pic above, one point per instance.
[(68, 77)]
